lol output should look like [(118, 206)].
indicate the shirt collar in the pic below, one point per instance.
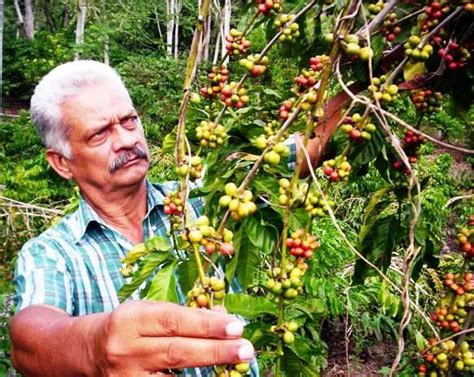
[(87, 215)]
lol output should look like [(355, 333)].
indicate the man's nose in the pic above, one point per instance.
[(123, 138)]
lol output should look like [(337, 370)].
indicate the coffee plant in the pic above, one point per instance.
[(365, 68)]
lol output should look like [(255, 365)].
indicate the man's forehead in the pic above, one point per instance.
[(100, 98)]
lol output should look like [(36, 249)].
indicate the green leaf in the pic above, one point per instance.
[(249, 306), (187, 273), (163, 286), (308, 306), (145, 269), (158, 243), (413, 69), (169, 143), (369, 219), (310, 25), (292, 365), (420, 341), (272, 93), (258, 234), (378, 246)]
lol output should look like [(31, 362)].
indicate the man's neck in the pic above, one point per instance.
[(124, 210)]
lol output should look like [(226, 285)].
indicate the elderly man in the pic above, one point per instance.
[(69, 320)]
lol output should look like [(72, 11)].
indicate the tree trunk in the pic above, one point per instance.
[(48, 14), (170, 7), (19, 15), (106, 50), (177, 8), (29, 20), (158, 24), (1, 55), (65, 21), (80, 25), (206, 38), (225, 26)]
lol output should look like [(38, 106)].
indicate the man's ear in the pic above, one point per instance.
[(59, 163)]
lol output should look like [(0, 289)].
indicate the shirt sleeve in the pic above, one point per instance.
[(41, 277), (291, 143)]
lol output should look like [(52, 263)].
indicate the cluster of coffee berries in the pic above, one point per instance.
[(262, 140), (274, 156), (302, 245), (434, 11), (289, 33), (236, 42), (222, 244), (358, 128), (239, 204), (375, 8), (267, 7), (410, 145), (210, 134), (173, 203), (441, 356), (218, 76), (285, 284), (284, 191), (351, 46), (205, 294), (255, 64), (455, 55), (309, 77), (316, 206), (381, 91), (460, 284), (390, 27), (286, 331), (234, 96), (191, 165), (426, 100), (451, 316), (337, 168), (285, 108), (201, 233), (466, 238), (237, 370), (415, 52)]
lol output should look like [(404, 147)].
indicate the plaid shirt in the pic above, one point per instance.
[(75, 265)]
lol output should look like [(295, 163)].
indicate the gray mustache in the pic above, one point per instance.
[(123, 158)]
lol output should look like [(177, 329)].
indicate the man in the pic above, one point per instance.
[(69, 321)]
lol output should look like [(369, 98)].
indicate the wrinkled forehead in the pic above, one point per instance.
[(96, 102)]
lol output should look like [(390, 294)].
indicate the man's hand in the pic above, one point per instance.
[(141, 337), (138, 339)]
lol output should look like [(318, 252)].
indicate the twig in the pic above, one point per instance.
[(378, 19), (456, 198)]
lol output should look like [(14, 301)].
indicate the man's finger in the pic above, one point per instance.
[(170, 320), (188, 353)]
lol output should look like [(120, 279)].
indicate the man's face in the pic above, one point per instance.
[(108, 146)]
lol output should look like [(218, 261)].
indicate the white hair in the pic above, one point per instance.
[(64, 81)]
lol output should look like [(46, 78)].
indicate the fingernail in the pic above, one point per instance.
[(234, 328), (246, 352)]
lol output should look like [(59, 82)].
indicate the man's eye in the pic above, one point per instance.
[(131, 121)]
